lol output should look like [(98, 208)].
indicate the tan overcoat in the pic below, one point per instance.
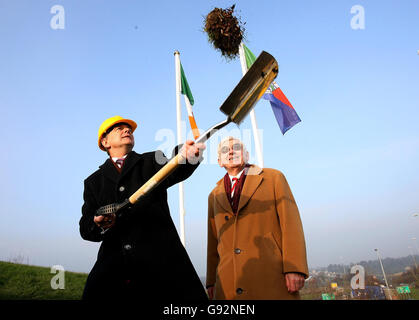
[(249, 254)]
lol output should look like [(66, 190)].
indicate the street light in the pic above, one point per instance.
[(414, 259), (384, 274), (416, 245), (344, 270)]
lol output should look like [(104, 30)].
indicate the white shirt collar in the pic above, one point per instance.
[(116, 158), (238, 176)]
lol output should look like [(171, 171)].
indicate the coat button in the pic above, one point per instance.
[(127, 247), (121, 188), (227, 217), (237, 251), (239, 291)]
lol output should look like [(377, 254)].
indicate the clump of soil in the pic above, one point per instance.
[(225, 31)]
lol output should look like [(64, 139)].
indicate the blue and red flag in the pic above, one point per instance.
[(284, 112)]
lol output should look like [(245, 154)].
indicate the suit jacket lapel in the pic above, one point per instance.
[(221, 196), (252, 182), (112, 173), (129, 162), (109, 170)]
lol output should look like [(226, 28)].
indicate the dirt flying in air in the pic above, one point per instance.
[(225, 31)]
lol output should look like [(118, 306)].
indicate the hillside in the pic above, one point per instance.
[(24, 282), (390, 265)]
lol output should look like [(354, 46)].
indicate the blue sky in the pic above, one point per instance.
[(352, 163)]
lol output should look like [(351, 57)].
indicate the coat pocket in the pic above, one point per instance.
[(273, 244)]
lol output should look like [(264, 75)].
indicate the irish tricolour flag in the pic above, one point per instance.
[(284, 112), (189, 101)]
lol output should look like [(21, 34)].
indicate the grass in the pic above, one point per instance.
[(24, 282), (317, 294), (415, 294)]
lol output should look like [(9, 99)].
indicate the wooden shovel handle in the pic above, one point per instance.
[(155, 180)]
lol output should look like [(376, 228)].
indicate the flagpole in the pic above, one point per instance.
[(179, 141), (258, 147)]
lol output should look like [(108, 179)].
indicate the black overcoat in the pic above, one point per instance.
[(141, 256)]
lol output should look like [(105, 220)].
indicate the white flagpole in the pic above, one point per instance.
[(258, 147), (179, 141)]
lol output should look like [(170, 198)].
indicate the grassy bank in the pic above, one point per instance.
[(24, 282)]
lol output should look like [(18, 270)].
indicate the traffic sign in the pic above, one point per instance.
[(403, 289), (326, 296)]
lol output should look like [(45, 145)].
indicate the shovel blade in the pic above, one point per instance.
[(250, 88)]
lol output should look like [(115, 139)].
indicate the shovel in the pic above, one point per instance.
[(237, 106)]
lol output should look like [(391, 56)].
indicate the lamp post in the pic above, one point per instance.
[(416, 245), (344, 270), (384, 274), (414, 259)]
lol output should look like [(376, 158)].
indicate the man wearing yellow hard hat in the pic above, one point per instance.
[(141, 256)]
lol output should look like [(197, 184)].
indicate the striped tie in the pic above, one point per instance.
[(234, 186), (120, 162)]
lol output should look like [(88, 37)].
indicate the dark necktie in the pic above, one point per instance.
[(120, 162)]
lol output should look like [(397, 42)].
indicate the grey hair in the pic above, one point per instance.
[(228, 139)]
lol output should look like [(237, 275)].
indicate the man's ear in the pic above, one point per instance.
[(104, 141)]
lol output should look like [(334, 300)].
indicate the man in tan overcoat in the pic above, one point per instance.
[(256, 247)]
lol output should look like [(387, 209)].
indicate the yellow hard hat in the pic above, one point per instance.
[(109, 123)]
